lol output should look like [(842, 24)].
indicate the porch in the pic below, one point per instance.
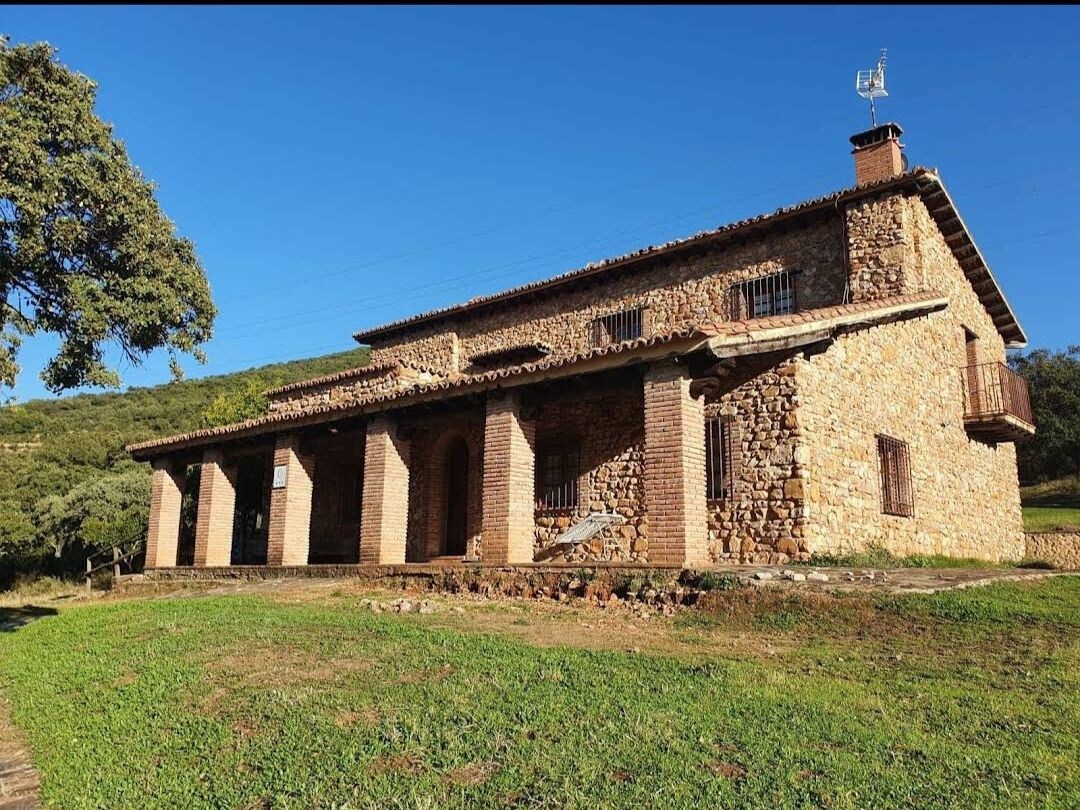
[(492, 477)]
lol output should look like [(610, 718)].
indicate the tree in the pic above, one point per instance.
[(248, 402), (16, 530), (85, 251), (96, 513), (1054, 382)]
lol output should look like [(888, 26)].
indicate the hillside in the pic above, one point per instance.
[(49, 446)]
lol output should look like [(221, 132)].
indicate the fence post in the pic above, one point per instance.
[(115, 564), (89, 568)]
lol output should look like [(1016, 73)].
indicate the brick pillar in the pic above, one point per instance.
[(509, 496), (384, 512), (290, 505), (674, 468), (217, 503), (166, 494)]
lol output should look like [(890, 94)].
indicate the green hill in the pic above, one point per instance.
[(50, 447)]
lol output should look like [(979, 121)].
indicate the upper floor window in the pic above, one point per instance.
[(761, 297), (894, 464), (617, 327), (719, 459), (557, 479)]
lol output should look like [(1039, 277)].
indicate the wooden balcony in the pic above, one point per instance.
[(997, 407)]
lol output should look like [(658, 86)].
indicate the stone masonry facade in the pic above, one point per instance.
[(859, 317)]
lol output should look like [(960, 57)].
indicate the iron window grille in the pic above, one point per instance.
[(761, 297), (719, 459), (617, 327), (558, 480), (894, 462)]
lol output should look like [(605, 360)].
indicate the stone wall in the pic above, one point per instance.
[(676, 292), (359, 384), (879, 247), (764, 520), (903, 380), (608, 429), (1060, 549), (431, 440)]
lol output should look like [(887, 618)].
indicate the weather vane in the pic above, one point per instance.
[(871, 84)]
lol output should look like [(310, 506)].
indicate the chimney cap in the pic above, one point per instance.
[(880, 133)]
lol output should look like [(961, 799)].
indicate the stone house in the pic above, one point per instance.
[(819, 379)]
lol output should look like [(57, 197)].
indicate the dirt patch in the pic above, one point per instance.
[(284, 666), (475, 773), (727, 770), (398, 763), (20, 784), (369, 716)]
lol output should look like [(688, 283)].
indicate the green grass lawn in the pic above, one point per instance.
[(1051, 519), (962, 699), (1052, 506)]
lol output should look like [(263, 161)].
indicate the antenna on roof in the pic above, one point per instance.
[(871, 84)]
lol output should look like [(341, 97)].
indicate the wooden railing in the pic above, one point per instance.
[(994, 389), (117, 556)]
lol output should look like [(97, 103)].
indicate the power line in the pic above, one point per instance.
[(323, 314)]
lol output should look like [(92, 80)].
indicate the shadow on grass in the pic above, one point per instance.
[(12, 618)]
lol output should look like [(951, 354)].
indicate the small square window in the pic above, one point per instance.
[(617, 327), (761, 297), (558, 479)]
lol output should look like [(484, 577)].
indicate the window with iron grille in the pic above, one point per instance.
[(719, 459), (617, 327), (761, 297), (557, 479), (894, 462)]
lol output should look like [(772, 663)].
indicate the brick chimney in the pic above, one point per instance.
[(877, 154)]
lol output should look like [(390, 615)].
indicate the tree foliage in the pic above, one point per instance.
[(85, 251), (249, 402), (105, 510), (1054, 382)]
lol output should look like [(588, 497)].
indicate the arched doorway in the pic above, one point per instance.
[(455, 529)]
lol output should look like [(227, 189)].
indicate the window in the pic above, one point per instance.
[(558, 479), (895, 468), (719, 459), (617, 327), (762, 297)]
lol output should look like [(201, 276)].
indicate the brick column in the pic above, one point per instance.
[(290, 505), (509, 486), (166, 494), (217, 503), (384, 513), (674, 468)]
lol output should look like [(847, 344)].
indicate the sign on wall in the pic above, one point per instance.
[(280, 476)]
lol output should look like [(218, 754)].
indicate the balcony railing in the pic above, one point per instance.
[(994, 394)]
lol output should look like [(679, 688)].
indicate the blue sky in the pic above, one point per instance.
[(338, 168)]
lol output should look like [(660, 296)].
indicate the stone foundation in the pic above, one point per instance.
[(1060, 549)]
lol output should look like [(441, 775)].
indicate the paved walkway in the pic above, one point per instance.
[(895, 580), (19, 781)]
